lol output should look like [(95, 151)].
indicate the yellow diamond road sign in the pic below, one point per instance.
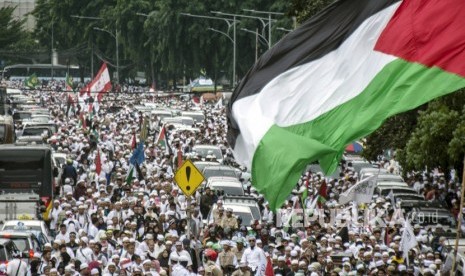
[(188, 178)]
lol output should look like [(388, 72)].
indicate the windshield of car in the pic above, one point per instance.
[(20, 242), (203, 152), (227, 190), (218, 172), (245, 217)]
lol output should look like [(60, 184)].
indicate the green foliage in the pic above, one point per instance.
[(164, 44), (429, 143), (11, 29), (304, 9), (393, 134)]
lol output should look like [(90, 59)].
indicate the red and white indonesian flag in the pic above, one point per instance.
[(100, 84), (336, 78)]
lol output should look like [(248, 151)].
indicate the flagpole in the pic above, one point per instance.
[(459, 224)]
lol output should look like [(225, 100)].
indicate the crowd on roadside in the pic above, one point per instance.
[(134, 220)]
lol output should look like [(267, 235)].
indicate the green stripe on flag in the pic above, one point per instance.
[(130, 176), (398, 87)]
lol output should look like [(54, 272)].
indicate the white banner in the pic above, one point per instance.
[(408, 240), (361, 192)]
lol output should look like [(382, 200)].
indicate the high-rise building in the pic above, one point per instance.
[(23, 10)]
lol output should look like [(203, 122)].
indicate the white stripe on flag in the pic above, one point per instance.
[(308, 91)]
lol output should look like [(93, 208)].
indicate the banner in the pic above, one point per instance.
[(361, 192), (408, 240)]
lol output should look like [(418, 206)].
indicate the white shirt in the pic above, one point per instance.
[(16, 267), (84, 255), (61, 236), (254, 257), (92, 231)]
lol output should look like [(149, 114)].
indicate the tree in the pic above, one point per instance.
[(11, 29), (304, 9)]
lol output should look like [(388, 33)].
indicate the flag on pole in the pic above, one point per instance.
[(130, 176), (69, 83), (138, 156), (32, 81), (133, 141), (99, 85), (336, 78), (322, 194), (98, 162), (305, 194), (144, 130), (408, 240), (361, 192), (269, 267), (162, 140)]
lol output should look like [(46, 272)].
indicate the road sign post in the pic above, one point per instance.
[(188, 178)]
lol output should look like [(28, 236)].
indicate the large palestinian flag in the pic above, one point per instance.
[(337, 78)]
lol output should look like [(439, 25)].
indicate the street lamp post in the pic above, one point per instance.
[(231, 23), (257, 35), (269, 21), (115, 36), (284, 29), (262, 20)]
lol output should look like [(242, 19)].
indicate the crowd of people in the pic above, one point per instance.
[(121, 218)]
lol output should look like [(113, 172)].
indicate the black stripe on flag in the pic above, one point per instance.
[(318, 36)]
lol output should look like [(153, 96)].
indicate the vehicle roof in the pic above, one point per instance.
[(237, 208), (19, 233), (397, 188), (391, 183), (225, 184), (25, 147), (373, 170), (33, 126), (421, 203), (26, 222), (206, 163), (207, 146), (219, 167), (239, 200), (192, 111), (223, 179)]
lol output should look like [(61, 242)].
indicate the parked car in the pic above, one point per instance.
[(225, 185), (27, 225), (7, 247), (24, 241), (220, 170), (204, 150), (244, 207)]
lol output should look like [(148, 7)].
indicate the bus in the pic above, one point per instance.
[(26, 168), (42, 71)]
